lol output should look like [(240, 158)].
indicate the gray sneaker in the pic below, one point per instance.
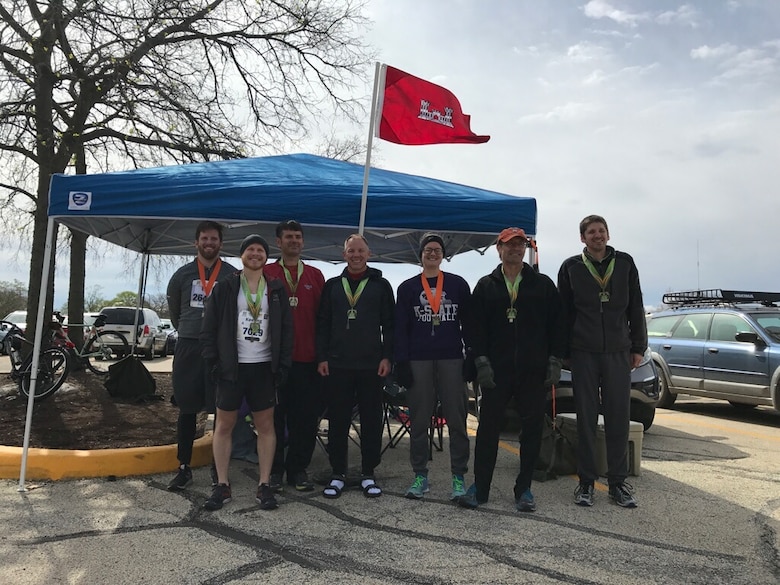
[(418, 488), (583, 495), (181, 480), (623, 495)]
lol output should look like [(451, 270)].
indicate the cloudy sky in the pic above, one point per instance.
[(657, 115)]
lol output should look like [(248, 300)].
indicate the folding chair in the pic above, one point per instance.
[(396, 411), (322, 433)]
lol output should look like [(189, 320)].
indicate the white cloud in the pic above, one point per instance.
[(685, 15), (585, 52), (565, 113), (598, 9), (707, 52)]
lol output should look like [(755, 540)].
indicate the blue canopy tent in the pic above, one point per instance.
[(155, 211)]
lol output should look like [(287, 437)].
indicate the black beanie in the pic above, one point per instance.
[(253, 239), (431, 237)]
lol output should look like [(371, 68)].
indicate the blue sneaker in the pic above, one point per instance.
[(418, 488), (458, 487), (469, 499), (525, 503)]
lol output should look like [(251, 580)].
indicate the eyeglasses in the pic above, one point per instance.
[(433, 251), (515, 243)]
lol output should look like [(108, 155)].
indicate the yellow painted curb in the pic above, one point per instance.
[(70, 464)]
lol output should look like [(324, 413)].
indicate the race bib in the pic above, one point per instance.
[(197, 294), (251, 329)]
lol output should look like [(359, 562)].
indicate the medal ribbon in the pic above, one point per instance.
[(208, 284), (288, 277), (353, 299), (511, 287), (434, 300), (603, 282), (254, 306)]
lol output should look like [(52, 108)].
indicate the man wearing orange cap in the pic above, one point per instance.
[(517, 340)]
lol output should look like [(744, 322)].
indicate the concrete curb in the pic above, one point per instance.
[(55, 464)]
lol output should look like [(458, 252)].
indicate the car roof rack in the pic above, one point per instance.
[(717, 296)]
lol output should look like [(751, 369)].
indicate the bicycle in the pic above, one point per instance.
[(53, 365), (99, 349)]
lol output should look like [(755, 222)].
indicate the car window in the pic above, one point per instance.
[(726, 326), (661, 326), (768, 322), (693, 326), (122, 316)]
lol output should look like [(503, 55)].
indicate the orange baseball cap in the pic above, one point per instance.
[(509, 233)]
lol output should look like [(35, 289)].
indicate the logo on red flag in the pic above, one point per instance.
[(415, 111)]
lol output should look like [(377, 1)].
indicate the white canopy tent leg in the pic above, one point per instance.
[(36, 356)]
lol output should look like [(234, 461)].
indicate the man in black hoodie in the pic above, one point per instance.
[(354, 352), (518, 343)]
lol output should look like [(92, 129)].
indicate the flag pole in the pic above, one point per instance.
[(367, 168)]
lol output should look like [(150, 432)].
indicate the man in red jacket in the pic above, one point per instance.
[(301, 400)]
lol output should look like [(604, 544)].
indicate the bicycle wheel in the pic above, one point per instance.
[(102, 347), (53, 369)]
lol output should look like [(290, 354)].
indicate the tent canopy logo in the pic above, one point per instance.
[(79, 200)]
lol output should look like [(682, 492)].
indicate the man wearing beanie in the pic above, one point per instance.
[(430, 327), (301, 402), (518, 342), (247, 340), (193, 390), (354, 349)]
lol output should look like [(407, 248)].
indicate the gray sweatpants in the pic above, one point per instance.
[(602, 382), (442, 378)]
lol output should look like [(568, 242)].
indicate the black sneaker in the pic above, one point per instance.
[(301, 482), (623, 495), (220, 496), (181, 480), (265, 497), (214, 475), (583, 495), (275, 483)]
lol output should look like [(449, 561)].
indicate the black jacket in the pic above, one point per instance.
[(533, 336), (591, 325), (220, 324), (369, 338)]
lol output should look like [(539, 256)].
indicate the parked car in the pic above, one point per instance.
[(645, 392), (149, 338), (173, 335), (720, 344), (18, 318)]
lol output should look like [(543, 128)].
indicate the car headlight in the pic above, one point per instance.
[(646, 357)]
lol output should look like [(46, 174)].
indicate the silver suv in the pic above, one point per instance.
[(151, 338), (720, 344)]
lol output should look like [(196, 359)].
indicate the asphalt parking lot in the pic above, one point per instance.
[(709, 512)]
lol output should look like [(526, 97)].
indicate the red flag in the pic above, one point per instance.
[(415, 111)]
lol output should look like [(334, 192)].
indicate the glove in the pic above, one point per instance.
[(212, 371), (484, 372), (554, 365), (280, 377), (469, 369), (403, 374)]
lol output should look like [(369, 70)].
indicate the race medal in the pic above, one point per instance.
[(352, 314), (604, 296), (511, 313), (436, 320), (293, 301), (254, 328)]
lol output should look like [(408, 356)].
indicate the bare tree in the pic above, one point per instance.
[(160, 81)]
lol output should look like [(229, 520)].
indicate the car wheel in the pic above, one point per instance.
[(643, 413), (164, 352), (665, 397), (149, 353)]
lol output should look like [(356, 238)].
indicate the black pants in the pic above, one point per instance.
[(301, 403), (345, 389), (527, 388)]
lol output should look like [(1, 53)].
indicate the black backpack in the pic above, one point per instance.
[(129, 380)]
